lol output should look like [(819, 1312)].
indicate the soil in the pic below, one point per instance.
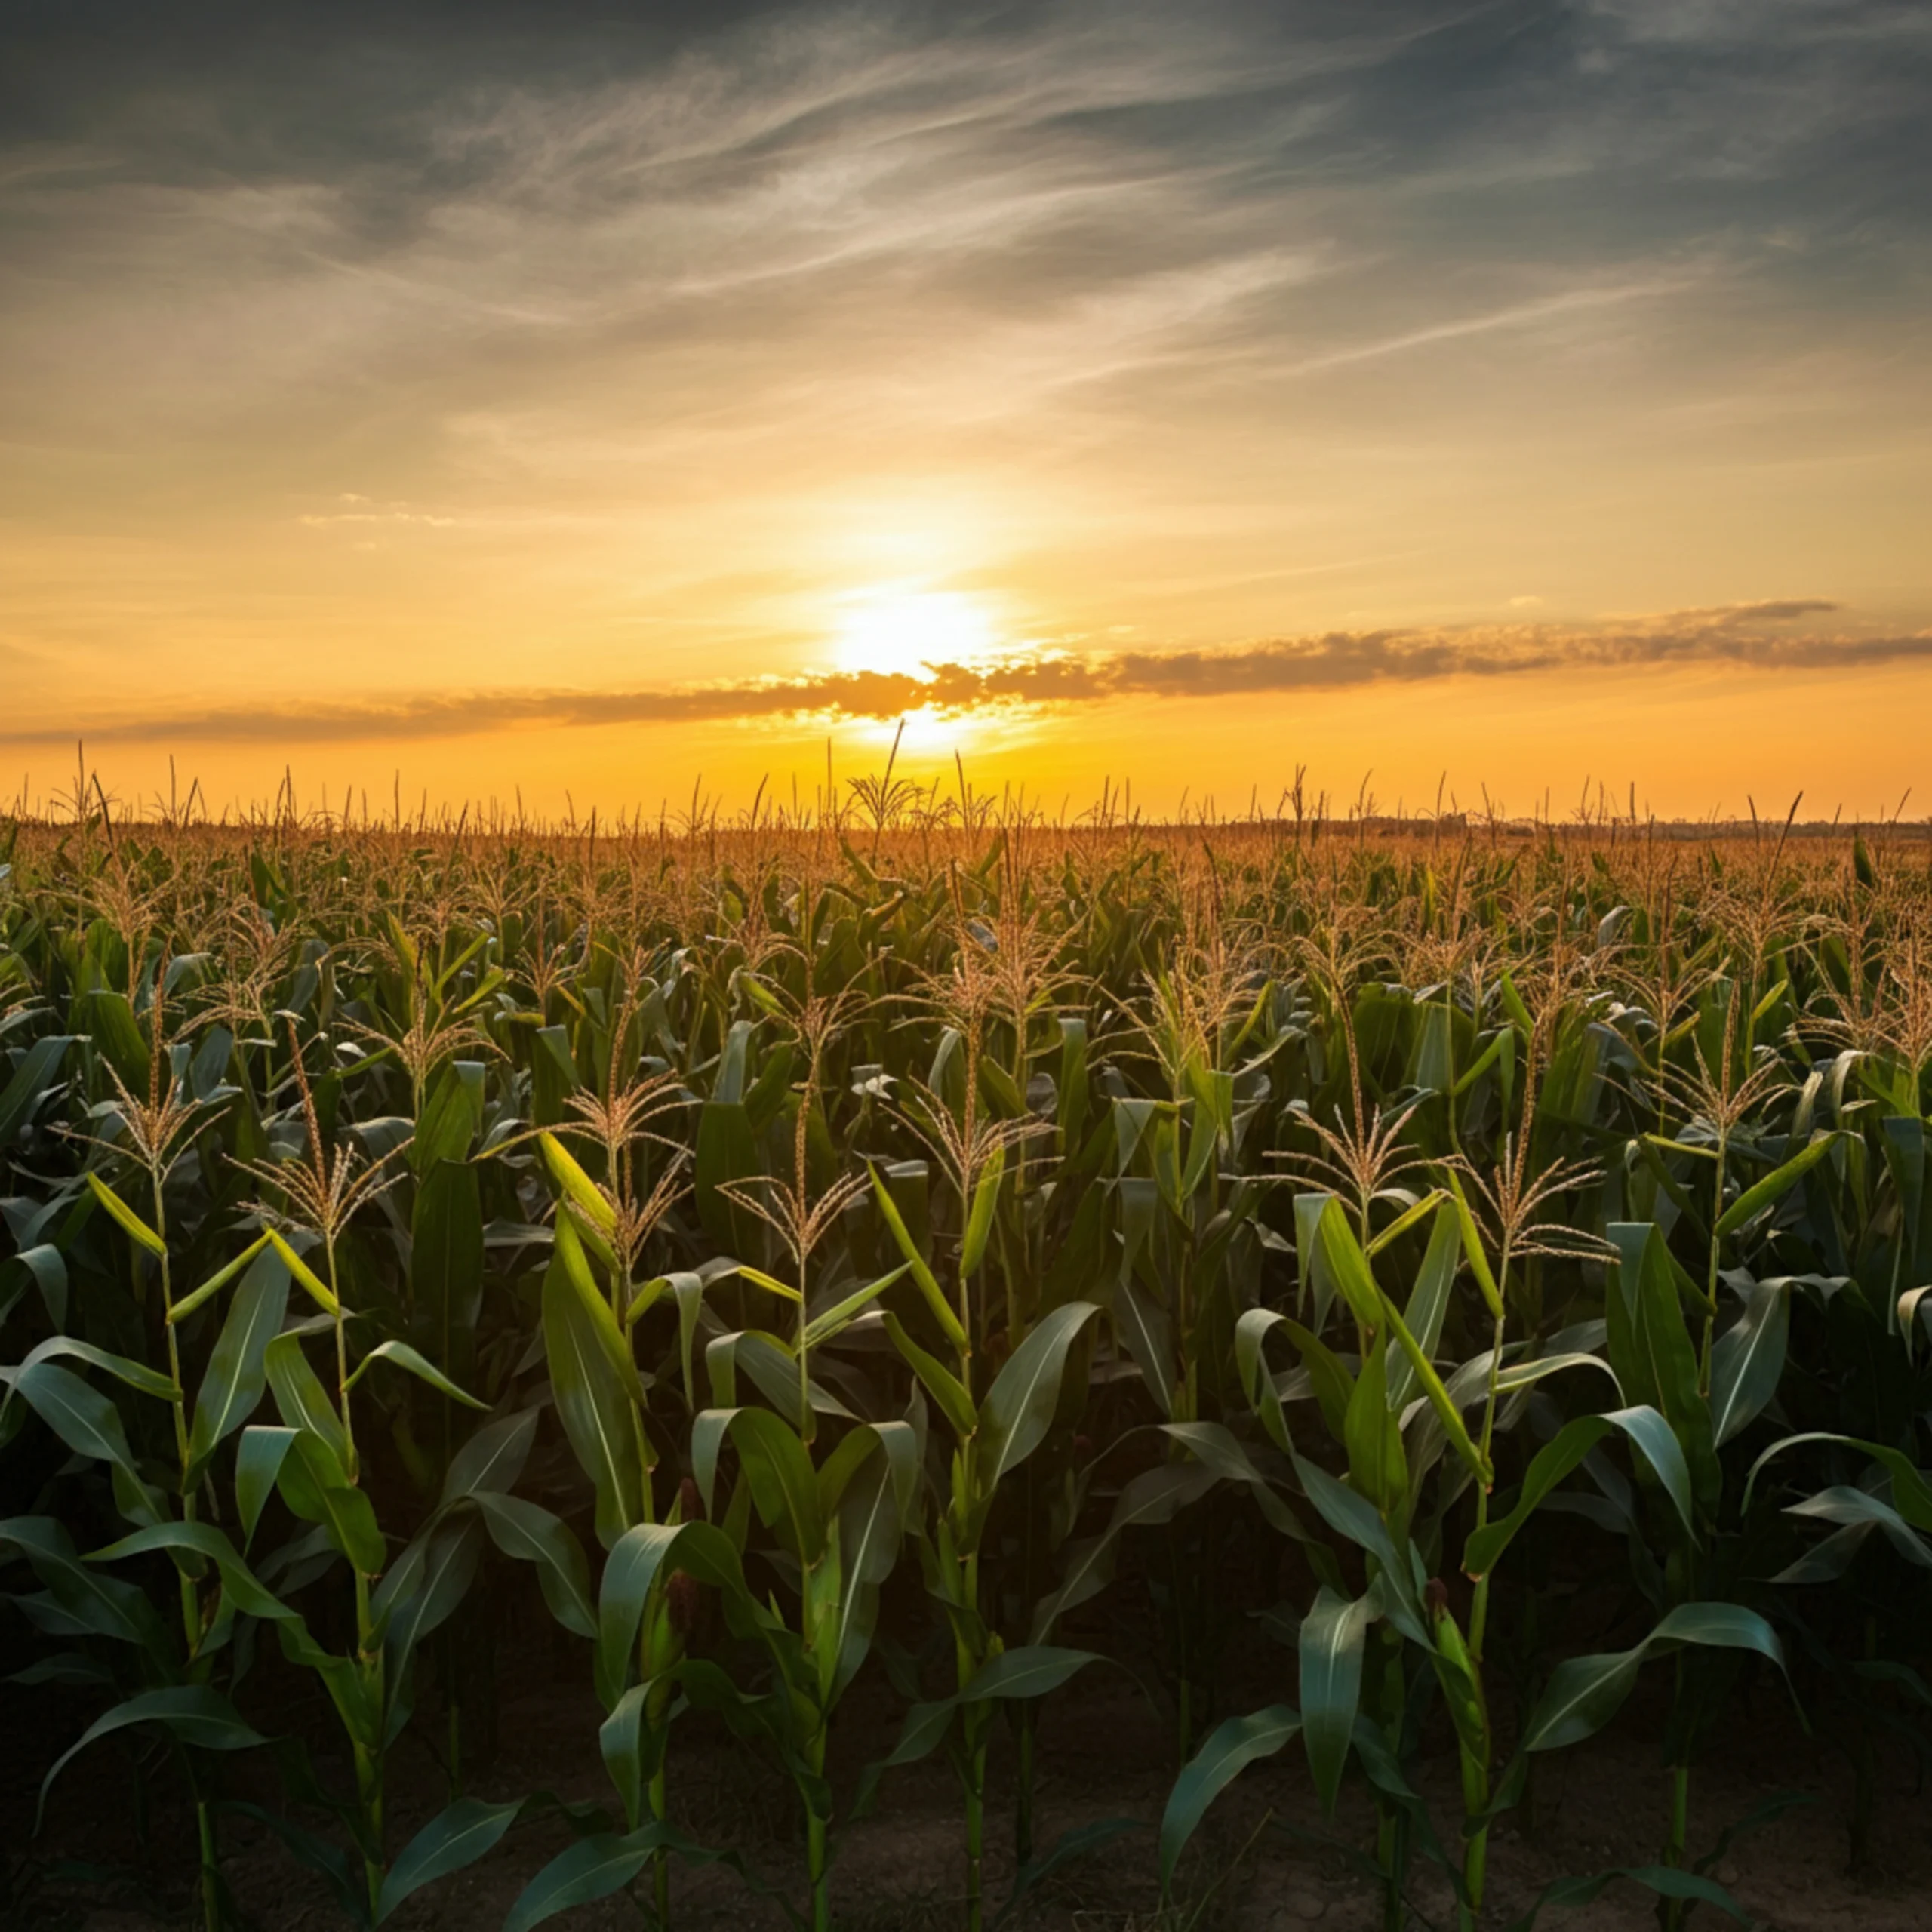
[(112, 1859)]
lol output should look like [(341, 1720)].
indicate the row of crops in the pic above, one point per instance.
[(795, 1262)]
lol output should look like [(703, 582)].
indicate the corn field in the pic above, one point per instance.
[(881, 1248)]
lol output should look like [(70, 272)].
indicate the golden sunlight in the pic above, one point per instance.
[(894, 628), (623, 455)]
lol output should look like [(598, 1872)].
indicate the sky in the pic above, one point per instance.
[(589, 404)]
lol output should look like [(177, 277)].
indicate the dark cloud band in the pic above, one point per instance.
[(1751, 636)]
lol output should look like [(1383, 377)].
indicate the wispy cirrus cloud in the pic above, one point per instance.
[(355, 509), (1754, 636)]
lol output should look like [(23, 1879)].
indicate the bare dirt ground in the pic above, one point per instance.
[(1264, 1860)]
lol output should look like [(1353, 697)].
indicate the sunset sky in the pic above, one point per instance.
[(586, 399)]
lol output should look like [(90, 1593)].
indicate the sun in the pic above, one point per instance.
[(900, 630)]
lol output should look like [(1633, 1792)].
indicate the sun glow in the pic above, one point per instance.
[(899, 631)]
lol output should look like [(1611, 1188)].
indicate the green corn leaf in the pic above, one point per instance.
[(1855, 1513), (1667, 1881), (641, 1557), (727, 1151), (31, 1083), (48, 1267), (1257, 1381), (1473, 1249), (979, 1221), (1646, 1429), (1377, 1468), (1912, 1490), (1131, 1119), (455, 1837), (238, 1368), (598, 1400), (101, 1604), (1423, 1371), (208, 1543), (258, 1463), (870, 1527), (1210, 1089), (620, 1742), (770, 1284), (1354, 1517), (136, 1375), (688, 1287), (218, 1281), (300, 1397), (928, 1283), (1334, 1387), (116, 1034), (1477, 1067), (423, 1588), (494, 1457), (629, 1570), (1650, 1347), (592, 1869), (1338, 1254), (784, 1488), (1429, 1300), (532, 1534), (1020, 1405), (191, 1712), (82, 1417), (312, 1483), (1071, 1097), (1512, 1004), (1404, 1221), (924, 1729), (1142, 1324), (1331, 1644), (824, 1326), (553, 1075), (576, 1186), (1747, 1360), (1230, 1749), (1215, 1446), (1584, 1694), (143, 1235), (1034, 1670), (1775, 1185), (944, 1388), (834, 1475), (446, 1257), (452, 1117), (1150, 1498), (410, 1359), (773, 1368), (317, 1289)]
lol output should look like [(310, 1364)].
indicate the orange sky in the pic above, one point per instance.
[(1179, 395)]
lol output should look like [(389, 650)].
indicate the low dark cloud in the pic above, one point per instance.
[(1747, 635)]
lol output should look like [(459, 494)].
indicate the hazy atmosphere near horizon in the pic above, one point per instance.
[(590, 400)]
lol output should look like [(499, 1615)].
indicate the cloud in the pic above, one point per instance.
[(1746, 635), (1134, 311), (360, 509), (498, 210)]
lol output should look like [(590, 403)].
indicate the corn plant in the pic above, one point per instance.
[(994, 1432), (1070, 1219)]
